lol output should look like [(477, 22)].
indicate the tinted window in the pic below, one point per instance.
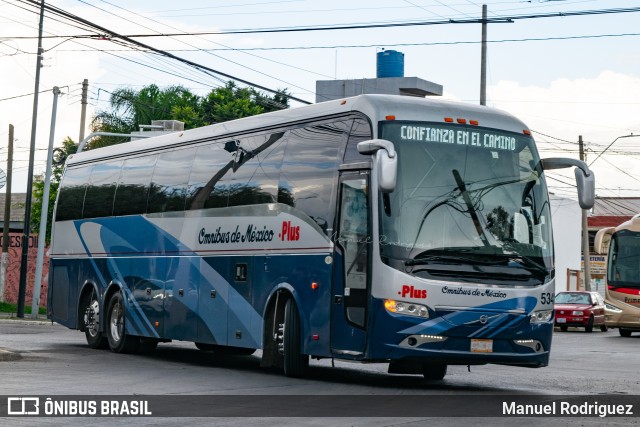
[(71, 195), (309, 170), (236, 172), (168, 188), (98, 200), (360, 131), (133, 186), (256, 172), (211, 163)]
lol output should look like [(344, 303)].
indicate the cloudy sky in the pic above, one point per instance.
[(564, 76)]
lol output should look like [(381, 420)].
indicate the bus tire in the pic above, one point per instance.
[(589, 327), (295, 363), (434, 372), (119, 341), (91, 318), (624, 332)]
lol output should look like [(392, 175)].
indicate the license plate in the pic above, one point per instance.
[(561, 320), (481, 346)]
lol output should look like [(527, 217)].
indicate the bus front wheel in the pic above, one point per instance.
[(119, 340), (295, 363)]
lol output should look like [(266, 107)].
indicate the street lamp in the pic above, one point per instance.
[(609, 146)]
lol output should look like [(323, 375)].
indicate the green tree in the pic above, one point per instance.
[(232, 102), (60, 154), (131, 108)]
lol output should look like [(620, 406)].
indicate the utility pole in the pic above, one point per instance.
[(83, 111), (7, 218), (585, 231), (44, 214), (22, 289), (483, 58)]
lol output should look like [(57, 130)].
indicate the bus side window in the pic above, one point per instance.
[(360, 131), (98, 199), (133, 186), (256, 171), (205, 188), (168, 188), (71, 198), (309, 172)]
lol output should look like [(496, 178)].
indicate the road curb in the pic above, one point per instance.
[(11, 317), (8, 356)]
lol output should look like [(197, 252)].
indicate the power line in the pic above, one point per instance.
[(333, 27), (498, 20), (30, 94), (387, 44), (200, 67), (198, 49)]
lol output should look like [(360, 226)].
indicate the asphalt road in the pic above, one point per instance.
[(47, 359)]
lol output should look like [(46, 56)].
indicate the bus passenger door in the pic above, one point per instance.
[(351, 281)]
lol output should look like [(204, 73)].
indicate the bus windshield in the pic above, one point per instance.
[(624, 259), (467, 199)]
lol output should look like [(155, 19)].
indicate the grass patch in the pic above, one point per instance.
[(6, 307)]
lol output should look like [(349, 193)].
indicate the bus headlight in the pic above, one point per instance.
[(409, 308), (613, 308), (541, 316)]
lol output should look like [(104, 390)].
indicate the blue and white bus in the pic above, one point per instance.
[(401, 230)]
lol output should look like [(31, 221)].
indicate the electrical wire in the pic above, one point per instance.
[(197, 66)]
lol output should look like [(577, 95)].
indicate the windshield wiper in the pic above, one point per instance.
[(480, 257), (472, 210), (430, 258), (460, 255)]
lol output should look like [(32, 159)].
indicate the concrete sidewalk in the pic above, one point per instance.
[(14, 316)]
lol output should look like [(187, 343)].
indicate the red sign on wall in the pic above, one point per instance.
[(12, 278)]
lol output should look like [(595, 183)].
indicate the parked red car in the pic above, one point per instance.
[(581, 309)]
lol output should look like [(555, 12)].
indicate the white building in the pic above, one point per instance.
[(566, 217)]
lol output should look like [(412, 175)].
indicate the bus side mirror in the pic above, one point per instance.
[(585, 178), (602, 240), (586, 188), (386, 162)]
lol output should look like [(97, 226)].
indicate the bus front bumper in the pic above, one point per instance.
[(466, 351)]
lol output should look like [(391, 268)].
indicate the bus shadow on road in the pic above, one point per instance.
[(342, 374)]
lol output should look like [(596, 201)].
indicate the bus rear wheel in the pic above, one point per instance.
[(119, 340), (91, 320), (434, 372), (295, 363)]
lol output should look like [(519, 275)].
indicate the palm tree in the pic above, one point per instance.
[(131, 108)]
